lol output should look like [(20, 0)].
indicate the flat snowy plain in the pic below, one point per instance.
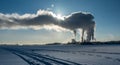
[(60, 55)]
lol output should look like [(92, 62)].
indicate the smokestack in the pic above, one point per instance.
[(90, 32)]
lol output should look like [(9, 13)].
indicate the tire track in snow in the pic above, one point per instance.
[(21, 54), (28, 61), (74, 51), (53, 58), (41, 58), (85, 52)]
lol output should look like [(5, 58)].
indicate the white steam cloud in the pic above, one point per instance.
[(49, 20)]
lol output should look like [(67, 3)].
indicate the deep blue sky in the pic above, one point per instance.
[(106, 13)]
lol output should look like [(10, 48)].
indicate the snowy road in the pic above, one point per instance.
[(61, 55), (38, 59)]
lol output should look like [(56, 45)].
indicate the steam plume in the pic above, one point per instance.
[(47, 18)]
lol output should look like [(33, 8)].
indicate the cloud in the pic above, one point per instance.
[(34, 21), (49, 20)]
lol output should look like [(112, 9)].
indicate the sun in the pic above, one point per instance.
[(59, 16)]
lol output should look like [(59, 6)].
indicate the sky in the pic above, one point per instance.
[(106, 13)]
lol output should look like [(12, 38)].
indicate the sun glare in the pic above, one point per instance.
[(59, 16)]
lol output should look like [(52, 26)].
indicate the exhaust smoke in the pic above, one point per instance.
[(74, 21)]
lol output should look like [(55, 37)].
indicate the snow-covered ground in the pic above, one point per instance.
[(60, 55), (7, 58)]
